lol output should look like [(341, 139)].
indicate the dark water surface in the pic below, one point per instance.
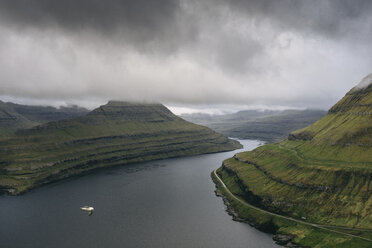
[(166, 203)]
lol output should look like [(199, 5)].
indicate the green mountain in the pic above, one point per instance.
[(321, 174), (14, 117), (114, 134), (269, 125), (11, 121), (43, 114)]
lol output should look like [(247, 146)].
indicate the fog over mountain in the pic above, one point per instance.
[(291, 53)]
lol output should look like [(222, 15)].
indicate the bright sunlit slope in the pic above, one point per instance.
[(114, 134), (321, 173)]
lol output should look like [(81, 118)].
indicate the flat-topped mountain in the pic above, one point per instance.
[(321, 174), (126, 111), (14, 117), (117, 133)]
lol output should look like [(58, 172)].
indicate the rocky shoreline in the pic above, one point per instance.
[(280, 239)]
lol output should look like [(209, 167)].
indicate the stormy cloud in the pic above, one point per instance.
[(249, 53)]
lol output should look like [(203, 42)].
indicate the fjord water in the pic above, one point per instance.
[(166, 203)]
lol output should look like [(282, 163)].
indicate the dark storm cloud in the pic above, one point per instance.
[(142, 21), (328, 17), (163, 24), (253, 52), (106, 16), (136, 22)]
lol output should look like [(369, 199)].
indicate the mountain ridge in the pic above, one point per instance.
[(15, 117), (270, 125), (321, 173), (110, 135)]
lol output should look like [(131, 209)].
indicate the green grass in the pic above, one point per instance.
[(269, 126), (11, 121), (15, 117), (114, 134), (304, 235), (322, 173), (327, 194)]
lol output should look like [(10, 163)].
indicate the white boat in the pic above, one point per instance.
[(88, 209)]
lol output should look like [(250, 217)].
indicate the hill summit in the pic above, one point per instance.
[(348, 123), (127, 111), (117, 133), (321, 174), (366, 82)]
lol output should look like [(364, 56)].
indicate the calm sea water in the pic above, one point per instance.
[(166, 203)]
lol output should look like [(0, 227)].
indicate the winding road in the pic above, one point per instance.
[(323, 227)]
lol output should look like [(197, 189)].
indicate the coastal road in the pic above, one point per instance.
[(320, 225), (323, 227)]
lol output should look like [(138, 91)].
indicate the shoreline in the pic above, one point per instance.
[(285, 240), (69, 174)]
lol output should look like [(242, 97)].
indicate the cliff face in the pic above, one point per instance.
[(322, 173), (114, 134)]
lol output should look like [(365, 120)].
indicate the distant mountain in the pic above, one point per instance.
[(14, 117), (269, 125), (114, 134), (42, 114), (321, 174), (11, 120)]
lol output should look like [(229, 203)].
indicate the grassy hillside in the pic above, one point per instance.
[(270, 126), (11, 121), (114, 134), (321, 174), (14, 117), (43, 114)]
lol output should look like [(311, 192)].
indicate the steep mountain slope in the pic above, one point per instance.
[(321, 173), (114, 134), (14, 117), (270, 126), (42, 114), (11, 121)]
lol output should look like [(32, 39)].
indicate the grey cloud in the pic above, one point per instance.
[(143, 21), (164, 25), (149, 25), (281, 52), (333, 18), (236, 54), (105, 16)]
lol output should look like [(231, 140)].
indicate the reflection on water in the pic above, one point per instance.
[(166, 203)]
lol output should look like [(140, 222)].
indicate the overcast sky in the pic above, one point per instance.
[(184, 53)]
